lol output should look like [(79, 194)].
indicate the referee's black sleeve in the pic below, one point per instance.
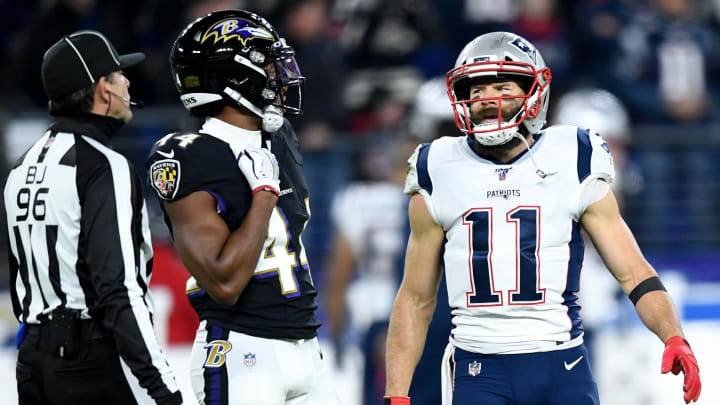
[(110, 236), (13, 267)]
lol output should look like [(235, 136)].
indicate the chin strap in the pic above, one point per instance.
[(542, 174), (498, 132), (272, 118)]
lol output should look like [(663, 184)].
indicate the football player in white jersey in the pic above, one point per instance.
[(368, 244), (506, 202)]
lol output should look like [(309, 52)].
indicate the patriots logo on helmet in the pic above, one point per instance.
[(239, 28), (525, 47)]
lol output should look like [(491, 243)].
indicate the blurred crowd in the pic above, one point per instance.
[(365, 59)]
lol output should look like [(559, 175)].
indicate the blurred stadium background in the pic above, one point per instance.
[(366, 62)]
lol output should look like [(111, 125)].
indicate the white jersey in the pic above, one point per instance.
[(371, 216), (514, 250)]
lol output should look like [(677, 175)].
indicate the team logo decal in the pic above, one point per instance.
[(474, 368), (502, 173), (230, 28), (165, 177), (249, 359), (217, 351), (525, 47)]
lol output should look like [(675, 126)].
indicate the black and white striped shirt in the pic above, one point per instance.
[(79, 239)]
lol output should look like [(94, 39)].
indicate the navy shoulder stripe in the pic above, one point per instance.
[(584, 155), (422, 168)]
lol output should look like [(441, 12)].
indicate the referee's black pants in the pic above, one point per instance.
[(92, 376)]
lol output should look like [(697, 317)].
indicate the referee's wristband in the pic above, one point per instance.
[(645, 286)]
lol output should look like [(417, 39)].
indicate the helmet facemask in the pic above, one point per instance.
[(273, 77), (535, 84), (285, 81)]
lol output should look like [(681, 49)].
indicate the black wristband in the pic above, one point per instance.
[(647, 285)]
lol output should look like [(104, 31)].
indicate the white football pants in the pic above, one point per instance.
[(232, 368)]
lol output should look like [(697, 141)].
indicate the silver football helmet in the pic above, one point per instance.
[(501, 55), (431, 110), (596, 109)]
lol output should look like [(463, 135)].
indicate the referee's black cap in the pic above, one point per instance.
[(77, 60)]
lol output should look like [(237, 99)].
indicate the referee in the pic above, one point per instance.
[(80, 252)]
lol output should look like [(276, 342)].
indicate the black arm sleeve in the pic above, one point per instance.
[(14, 268), (111, 218)]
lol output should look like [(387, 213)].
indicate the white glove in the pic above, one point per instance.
[(260, 168)]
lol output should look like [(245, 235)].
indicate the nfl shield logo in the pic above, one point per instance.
[(502, 173), (474, 368), (249, 359)]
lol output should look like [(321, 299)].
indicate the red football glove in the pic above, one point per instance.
[(397, 401), (678, 356)]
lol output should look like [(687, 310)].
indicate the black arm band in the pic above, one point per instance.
[(647, 285)]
